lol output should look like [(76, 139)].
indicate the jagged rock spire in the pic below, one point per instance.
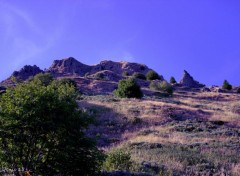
[(188, 81)]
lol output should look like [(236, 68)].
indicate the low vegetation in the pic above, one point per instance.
[(227, 85), (152, 75), (128, 89), (163, 86)]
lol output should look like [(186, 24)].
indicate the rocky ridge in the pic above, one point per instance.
[(101, 78), (26, 72)]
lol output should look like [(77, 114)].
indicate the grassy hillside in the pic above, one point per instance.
[(191, 133)]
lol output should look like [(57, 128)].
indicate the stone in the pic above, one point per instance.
[(68, 66), (26, 72), (188, 81)]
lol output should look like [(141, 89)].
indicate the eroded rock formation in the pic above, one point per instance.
[(188, 81)]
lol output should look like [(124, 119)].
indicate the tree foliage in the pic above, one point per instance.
[(152, 75), (128, 88), (42, 131), (226, 85), (173, 80), (163, 86)]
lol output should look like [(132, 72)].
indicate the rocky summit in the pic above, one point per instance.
[(188, 81), (68, 66), (26, 72), (101, 78)]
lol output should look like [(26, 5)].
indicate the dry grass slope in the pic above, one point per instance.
[(191, 133)]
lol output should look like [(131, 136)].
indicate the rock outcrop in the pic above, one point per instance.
[(69, 66), (188, 81), (120, 67), (26, 72)]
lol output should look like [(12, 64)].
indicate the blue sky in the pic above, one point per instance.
[(201, 36)]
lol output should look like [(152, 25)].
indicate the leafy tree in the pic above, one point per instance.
[(139, 75), (67, 81), (43, 79), (162, 86), (128, 88), (172, 80), (42, 131), (118, 160), (152, 75), (226, 85)]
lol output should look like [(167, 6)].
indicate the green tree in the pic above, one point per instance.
[(152, 75), (226, 85), (128, 88), (42, 79), (173, 80), (67, 81), (42, 131)]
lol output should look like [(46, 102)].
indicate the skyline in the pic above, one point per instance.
[(202, 37)]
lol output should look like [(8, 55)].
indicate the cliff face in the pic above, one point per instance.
[(69, 66)]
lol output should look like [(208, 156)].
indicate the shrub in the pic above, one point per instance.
[(226, 85), (238, 90), (139, 76), (128, 88), (152, 75), (43, 79), (162, 86), (99, 76), (125, 73), (68, 81), (172, 80), (118, 160)]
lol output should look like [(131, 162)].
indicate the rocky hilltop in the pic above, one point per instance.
[(69, 66), (101, 78), (26, 72)]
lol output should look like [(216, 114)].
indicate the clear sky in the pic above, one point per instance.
[(201, 36)]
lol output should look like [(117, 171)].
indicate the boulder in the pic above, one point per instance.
[(26, 72), (188, 81)]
